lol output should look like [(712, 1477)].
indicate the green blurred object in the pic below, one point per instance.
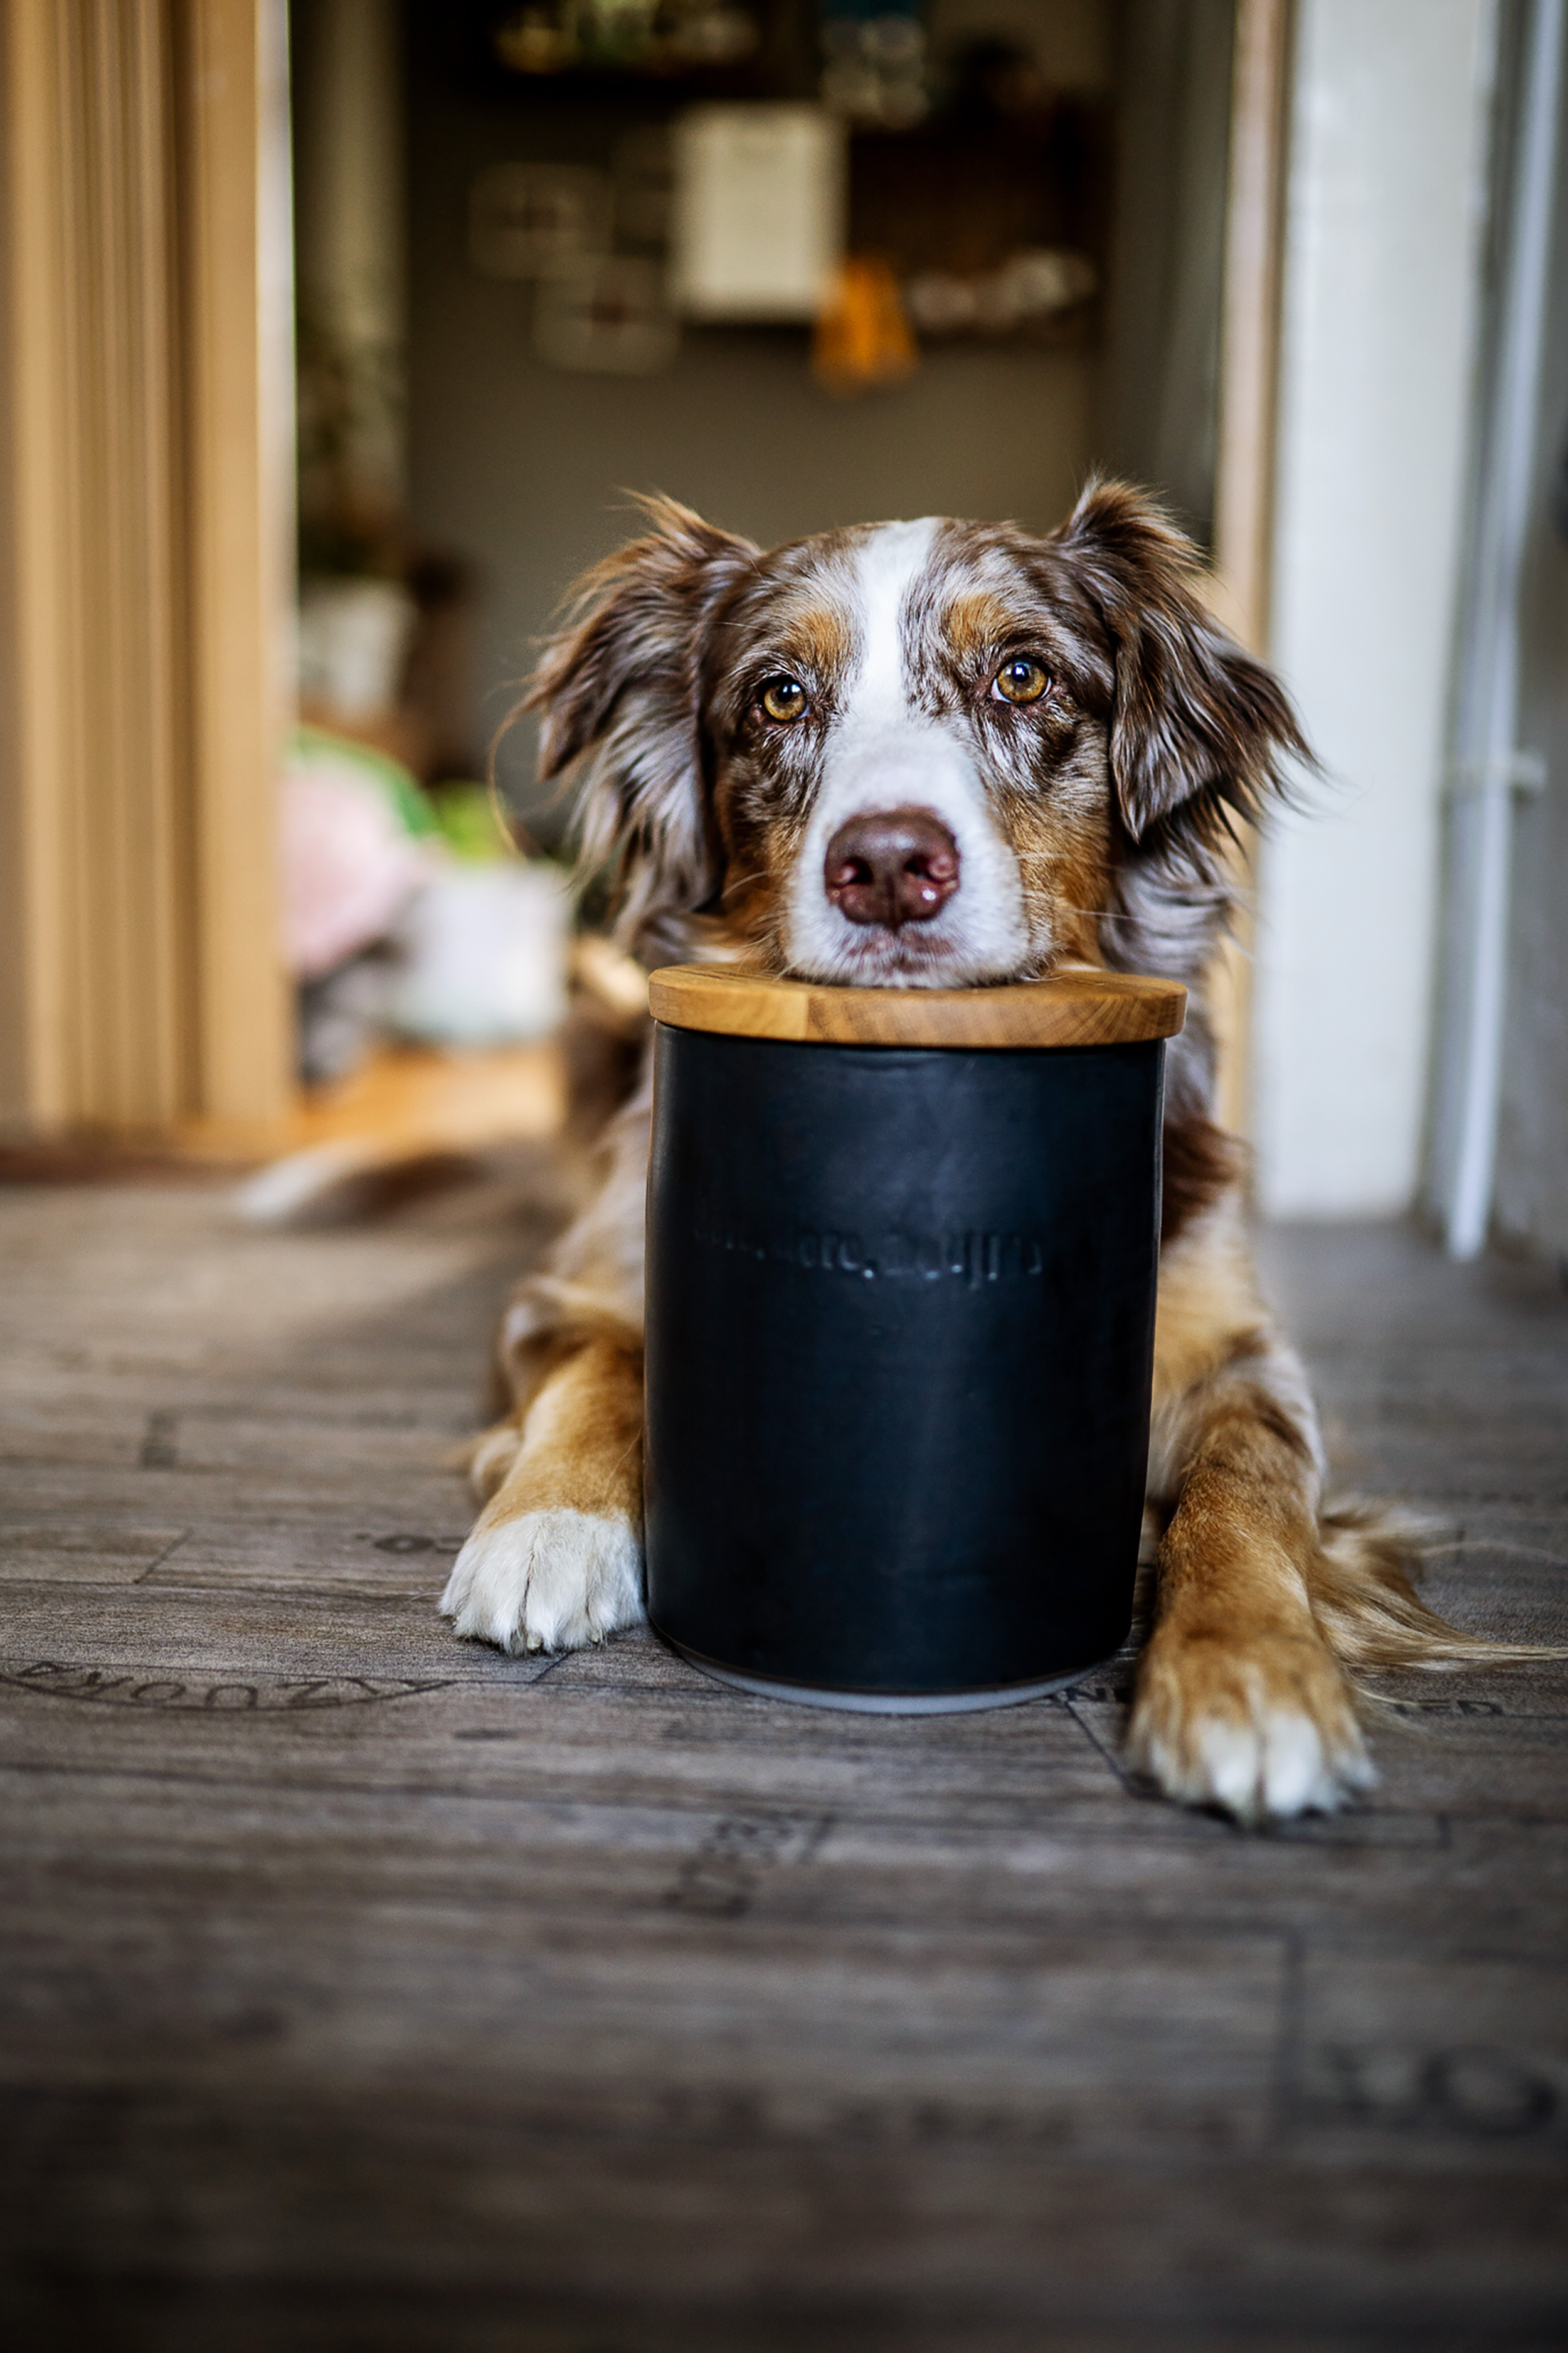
[(402, 788), (469, 822)]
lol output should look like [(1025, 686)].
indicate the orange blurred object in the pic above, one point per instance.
[(862, 337)]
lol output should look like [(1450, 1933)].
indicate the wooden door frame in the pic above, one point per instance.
[(1245, 475), (145, 589)]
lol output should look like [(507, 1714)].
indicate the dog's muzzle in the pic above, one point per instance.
[(891, 868)]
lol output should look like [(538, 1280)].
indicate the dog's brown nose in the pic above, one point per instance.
[(900, 866)]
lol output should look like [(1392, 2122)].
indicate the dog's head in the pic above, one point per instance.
[(913, 754)]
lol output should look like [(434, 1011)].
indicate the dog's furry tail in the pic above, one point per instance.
[(1366, 1601)]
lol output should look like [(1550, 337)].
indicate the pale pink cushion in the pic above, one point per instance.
[(350, 866)]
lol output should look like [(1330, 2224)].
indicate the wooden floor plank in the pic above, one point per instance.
[(60, 1552), (363, 1988)]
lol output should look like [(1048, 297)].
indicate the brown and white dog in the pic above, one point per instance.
[(936, 753)]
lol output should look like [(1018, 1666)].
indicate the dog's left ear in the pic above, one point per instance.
[(1197, 725)]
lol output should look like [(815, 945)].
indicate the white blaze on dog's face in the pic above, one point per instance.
[(906, 787), (902, 873)]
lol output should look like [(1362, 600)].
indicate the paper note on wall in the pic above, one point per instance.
[(759, 211)]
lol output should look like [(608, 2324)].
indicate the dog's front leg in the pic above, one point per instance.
[(1239, 1701), (555, 1557)]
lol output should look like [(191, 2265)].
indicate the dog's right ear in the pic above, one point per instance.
[(619, 689)]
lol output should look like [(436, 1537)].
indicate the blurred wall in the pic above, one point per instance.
[(1531, 1186), (1159, 390), (1383, 209), (350, 206), (525, 469)]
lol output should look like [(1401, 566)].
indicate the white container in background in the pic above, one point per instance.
[(759, 210), (484, 955), (353, 640)]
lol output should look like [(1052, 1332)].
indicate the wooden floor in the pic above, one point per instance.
[(361, 1989)]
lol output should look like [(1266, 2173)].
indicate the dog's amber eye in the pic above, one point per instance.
[(1020, 681), (784, 698)]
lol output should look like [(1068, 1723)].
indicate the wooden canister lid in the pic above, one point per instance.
[(1080, 1007)]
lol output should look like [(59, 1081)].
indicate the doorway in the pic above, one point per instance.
[(496, 354)]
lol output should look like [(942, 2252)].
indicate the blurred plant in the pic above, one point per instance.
[(469, 820), (349, 402)]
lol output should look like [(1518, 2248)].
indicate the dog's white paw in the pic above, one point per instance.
[(1267, 1769), (549, 1580), (1262, 1743)]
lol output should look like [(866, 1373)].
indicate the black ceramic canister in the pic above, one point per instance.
[(901, 1259)]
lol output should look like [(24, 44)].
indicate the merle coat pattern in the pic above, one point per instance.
[(948, 753)]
